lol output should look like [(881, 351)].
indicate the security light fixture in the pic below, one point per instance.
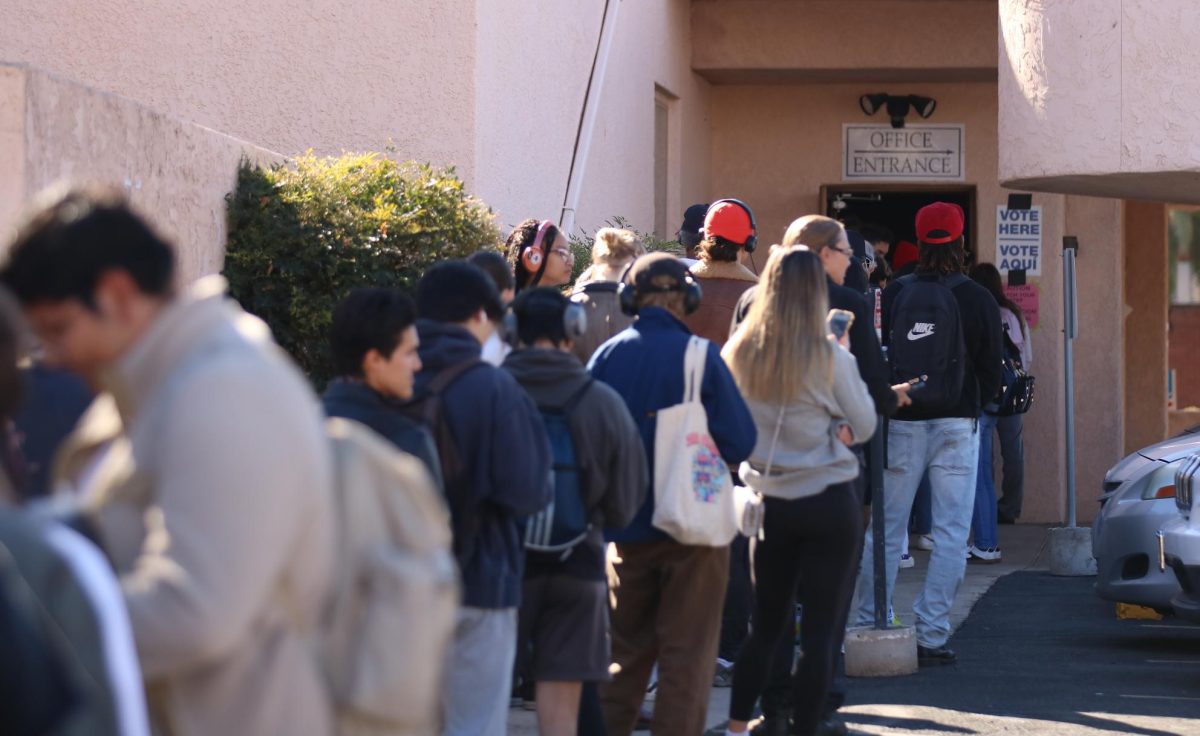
[(897, 106), (871, 103)]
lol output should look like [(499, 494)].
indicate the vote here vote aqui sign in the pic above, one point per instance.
[(912, 153), (1019, 240)]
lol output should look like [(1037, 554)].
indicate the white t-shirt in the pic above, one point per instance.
[(1019, 336)]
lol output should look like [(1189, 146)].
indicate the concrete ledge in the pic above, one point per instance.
[(881, 652)]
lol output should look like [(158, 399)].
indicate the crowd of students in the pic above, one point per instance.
[(203, 473)]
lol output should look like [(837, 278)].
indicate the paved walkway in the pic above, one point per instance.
[(1024, 549)]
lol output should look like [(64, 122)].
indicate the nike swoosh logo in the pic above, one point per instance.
[(911, 336)]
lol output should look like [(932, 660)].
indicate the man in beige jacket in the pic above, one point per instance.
[(202, 468)]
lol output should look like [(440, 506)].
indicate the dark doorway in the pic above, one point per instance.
[(895, 206)]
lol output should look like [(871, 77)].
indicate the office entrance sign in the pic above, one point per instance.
[(911, 153)]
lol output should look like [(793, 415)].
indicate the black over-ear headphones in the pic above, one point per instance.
[(574, 317), (752, 241), (627, 293)]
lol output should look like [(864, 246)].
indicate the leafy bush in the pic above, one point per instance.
[(581, 244), (303, 235)]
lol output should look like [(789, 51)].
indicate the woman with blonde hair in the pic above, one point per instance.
[(614, 249), (809, 404)]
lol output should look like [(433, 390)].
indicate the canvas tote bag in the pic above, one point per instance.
[(693, 492)]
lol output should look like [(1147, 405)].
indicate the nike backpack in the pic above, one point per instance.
[(926, 339), (564, 523)]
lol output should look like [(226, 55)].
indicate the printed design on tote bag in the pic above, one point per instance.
[(708, 469)]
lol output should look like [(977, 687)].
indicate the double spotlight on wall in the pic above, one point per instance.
[(897, 106)]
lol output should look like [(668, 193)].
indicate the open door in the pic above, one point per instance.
[(895, 206)]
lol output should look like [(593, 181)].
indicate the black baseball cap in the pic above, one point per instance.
[(693, 219), (657, 272)]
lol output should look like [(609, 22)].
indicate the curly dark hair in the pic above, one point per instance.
[(521, 238)]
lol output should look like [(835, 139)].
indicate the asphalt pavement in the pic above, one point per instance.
[(1042, 655)]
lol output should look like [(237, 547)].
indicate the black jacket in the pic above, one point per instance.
[(355, 400), (979, 316), (864, 343)]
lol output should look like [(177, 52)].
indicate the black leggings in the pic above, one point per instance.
[(811, 542)]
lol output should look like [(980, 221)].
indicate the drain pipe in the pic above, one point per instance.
[(587, 119)]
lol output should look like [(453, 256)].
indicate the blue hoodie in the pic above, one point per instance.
[(644, 363), (500, 438)]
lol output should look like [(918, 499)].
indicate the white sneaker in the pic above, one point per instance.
[(978, 554), (925, 542), (906, 561)]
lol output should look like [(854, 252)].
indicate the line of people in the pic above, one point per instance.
[(203, 471)]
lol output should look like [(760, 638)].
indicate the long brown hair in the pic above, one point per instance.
[(781, 349)]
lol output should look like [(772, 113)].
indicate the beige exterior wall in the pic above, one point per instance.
[(845, 40), (178, 173), (528, 109), (1085, 102), (326, 74)]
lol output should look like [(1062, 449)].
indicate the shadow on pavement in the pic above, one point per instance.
[(1045, 648)]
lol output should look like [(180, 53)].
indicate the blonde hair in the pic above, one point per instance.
[(814, 231), (616, 246), (781, 349)]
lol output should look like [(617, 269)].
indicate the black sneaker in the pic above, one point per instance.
[(830, 727), (766, 726), (930, 656)]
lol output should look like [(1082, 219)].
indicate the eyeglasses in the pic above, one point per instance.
[(565, 254), (844, 251)]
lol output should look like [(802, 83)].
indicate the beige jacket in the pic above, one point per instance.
[(210, 477)]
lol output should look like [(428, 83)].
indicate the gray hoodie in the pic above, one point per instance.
[(607, 443), (809, 457)]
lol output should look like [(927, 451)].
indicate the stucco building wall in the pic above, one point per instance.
[(529, 97), (287, 76), (1085, 105), (178, 173)]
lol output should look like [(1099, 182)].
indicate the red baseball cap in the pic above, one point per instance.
[(940, 222), (728, 220)]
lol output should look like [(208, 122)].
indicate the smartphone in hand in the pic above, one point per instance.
[(839, 321)]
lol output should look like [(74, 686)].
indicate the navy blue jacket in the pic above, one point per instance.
[(644, 363), (52, 402), (356, 400), (501, 441)]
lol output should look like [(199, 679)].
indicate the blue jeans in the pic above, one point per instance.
[(1012, 452), (983, 523), (949, 450), (922, 513)]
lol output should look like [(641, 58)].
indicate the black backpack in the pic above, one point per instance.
[(1016, 387), (426, 409), (926, 339)]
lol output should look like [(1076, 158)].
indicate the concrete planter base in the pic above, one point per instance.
[(881, 653), (1071, 551)]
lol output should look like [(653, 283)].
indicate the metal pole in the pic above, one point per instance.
[(875, 461), (1070, 330)]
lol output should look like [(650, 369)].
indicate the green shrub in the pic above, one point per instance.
[(303, 235), (581, 244)]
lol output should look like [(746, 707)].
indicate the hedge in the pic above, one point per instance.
[(303, 235)]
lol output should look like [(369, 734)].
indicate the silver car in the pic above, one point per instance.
[(1138, 501)]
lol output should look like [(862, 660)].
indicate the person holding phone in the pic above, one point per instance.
[(809, 405)]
